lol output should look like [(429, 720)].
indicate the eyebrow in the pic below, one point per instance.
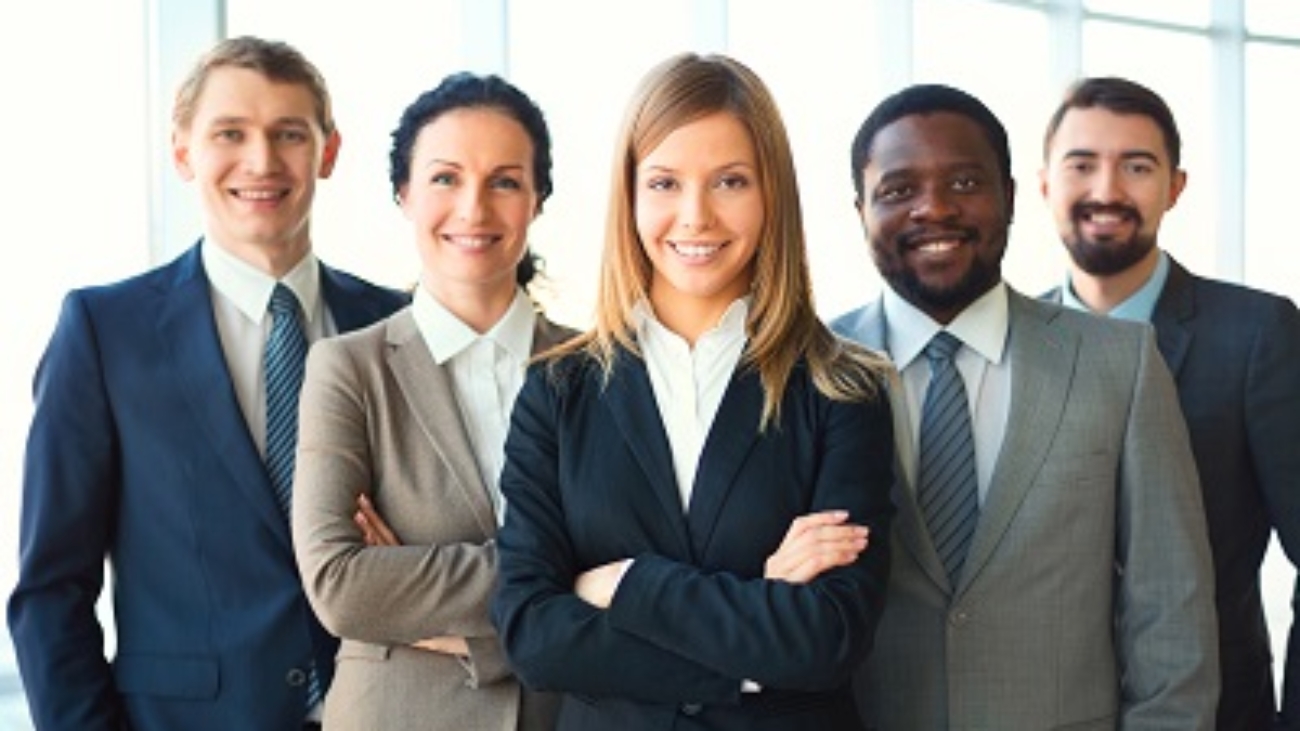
[(507, 167), (1123, 155), (231, 120), (723, 167)]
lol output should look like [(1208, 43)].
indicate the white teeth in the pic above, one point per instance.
[(471, 242), (696, 251), (1106, 218), (938, 246), (258, 195)]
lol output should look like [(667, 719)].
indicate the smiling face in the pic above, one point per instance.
[(936, 211), (471, 199), (1109, 181), (254, 149), (699, 213)]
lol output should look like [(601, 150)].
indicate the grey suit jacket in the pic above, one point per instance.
[(1087, 597), (379, 414)]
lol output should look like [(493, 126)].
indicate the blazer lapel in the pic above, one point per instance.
[(632, 407), (1175, 308), (732, 435), (351, 303), (1042, 360), (431, 396), (189, 336)]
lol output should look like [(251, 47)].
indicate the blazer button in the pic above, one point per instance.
[(295, 677), (691, 709), (959, 618)]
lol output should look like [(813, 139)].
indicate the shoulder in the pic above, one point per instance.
[(856, 322)]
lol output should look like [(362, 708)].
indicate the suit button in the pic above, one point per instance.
[(959, 618), (691, 709), (295, 677)]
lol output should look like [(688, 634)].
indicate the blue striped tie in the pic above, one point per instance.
[(947, 484), (283, 362)]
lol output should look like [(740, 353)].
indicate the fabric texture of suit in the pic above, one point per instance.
[(1086, 601), (138, 452), (589, 479), (1235, 356), (379, 414)]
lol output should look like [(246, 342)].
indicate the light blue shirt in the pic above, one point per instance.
[(1139, 306)]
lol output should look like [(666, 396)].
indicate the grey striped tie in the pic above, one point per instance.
[(283, 363), (947, 484)]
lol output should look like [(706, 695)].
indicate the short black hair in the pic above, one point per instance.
[(1120, 96), (927, 99)]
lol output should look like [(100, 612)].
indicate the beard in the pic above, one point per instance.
[(985, 271), (1106, 256)]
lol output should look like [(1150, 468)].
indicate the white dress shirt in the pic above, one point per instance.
[(487, 372), (986, 372), (240, 295), (689, 382)]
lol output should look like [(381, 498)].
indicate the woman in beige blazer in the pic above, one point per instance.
[(402, 428)]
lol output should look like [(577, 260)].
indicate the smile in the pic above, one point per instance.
[(693, 250), (481, 241)]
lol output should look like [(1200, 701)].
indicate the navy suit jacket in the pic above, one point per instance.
[(1235, 356), (138, 453), (589, 479)]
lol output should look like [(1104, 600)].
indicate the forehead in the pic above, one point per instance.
[(714, 139), (935, 141), (474, 132), (237, 93), (1100, 131)]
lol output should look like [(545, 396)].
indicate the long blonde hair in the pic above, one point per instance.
[(782, 326)]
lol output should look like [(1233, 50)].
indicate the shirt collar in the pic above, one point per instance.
[(732, 322), (982, 326), (446, 335), (1139, 305), (249, 288)]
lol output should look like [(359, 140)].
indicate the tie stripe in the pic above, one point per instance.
[(283, 363), (947, 483)]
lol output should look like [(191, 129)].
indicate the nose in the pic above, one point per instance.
[(260, 155), (1106, 186), (695, 213), (471, 204), (935, 203)]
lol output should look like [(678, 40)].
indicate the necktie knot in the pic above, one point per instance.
[(943, 346), (283, 302)]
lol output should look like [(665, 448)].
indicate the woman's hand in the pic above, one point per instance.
[(597, 586), (374, 530), (815, 543)]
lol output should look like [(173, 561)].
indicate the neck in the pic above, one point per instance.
[(478, 307), (1103, 293)]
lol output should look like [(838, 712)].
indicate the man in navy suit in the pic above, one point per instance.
[(146, 447), (1111, 173)]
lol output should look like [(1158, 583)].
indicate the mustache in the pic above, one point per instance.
[(1088, 209)]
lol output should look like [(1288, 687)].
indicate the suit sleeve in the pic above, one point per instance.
[(390, 595), (1165, 618), (70, 494), (673, 632), (1272, 419)]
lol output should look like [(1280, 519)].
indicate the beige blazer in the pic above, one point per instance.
[(379, 414)]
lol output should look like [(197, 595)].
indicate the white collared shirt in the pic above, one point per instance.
[(689, 382), (982, 328), (487, 372), (240, 294)]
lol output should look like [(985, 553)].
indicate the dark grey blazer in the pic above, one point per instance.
[(1235, 356)]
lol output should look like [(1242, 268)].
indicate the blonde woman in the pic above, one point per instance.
[(692, 482)]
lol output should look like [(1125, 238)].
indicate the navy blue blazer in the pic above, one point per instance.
[(589, 479), (138, 452), (1235, 356)]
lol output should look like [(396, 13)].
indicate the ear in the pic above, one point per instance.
[(1042, 181), (401, 199), (181, 154), (331, 154), (1176, 187), (1011, 200)]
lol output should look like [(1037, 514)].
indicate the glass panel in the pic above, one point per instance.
[(1183, 12), (1188, 232), (1012, 79), (825, 50), (75, 146), (1270, 129), (582, 88), (410, 46), (1273, 17)]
